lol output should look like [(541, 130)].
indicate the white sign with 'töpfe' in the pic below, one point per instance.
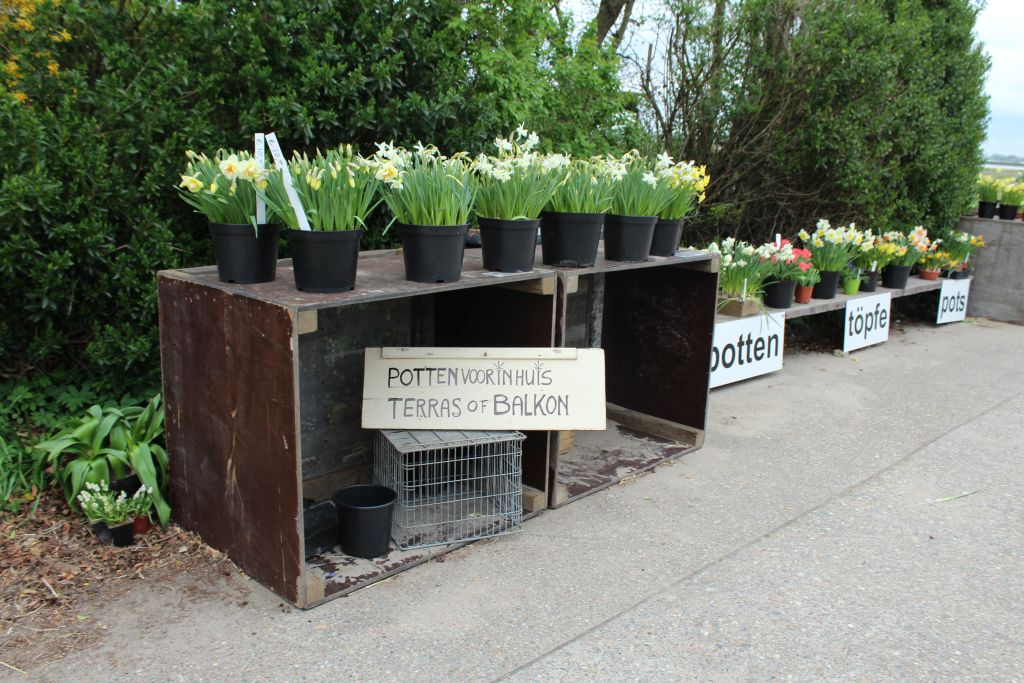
[(866, 321)]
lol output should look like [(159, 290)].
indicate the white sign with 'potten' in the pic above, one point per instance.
[(483, 388), (747, 347), (953, 301), (866, 321)]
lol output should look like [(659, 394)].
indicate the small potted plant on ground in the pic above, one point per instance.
[(512, 190), (108, 513), (571, 224), (740, 277), (337, 193), (805, 283), (901, 252), (224, 190), (988, 196), (639, 195), (851, 280), (688, 184), (831, 249), (1010, 199), (785, 264), (431, 196), (141, 504)]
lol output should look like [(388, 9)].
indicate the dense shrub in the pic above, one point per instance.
[(99, 101)]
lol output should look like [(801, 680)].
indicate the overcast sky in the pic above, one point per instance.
[(1001, 29)]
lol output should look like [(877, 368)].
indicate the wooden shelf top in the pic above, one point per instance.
[(381, 276)]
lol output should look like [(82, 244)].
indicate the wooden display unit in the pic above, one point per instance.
[(263, 386)]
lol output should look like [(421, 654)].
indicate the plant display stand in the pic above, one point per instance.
[(915, 285), (263, 388), (998, 288)]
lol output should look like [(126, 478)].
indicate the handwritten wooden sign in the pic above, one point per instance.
[(483, 388)]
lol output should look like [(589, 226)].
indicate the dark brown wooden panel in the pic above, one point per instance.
[(230, 399)]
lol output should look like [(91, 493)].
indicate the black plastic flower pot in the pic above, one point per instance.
[(667, 234), (324, 261), (826, 288), (570, 239), (102, 531), (123, 535), (364, 519), (895, 277), (433, 253), (242, 256), (628, 238), (508, 246), (1008, 212), (870, 282), (986, 209), (779, 294)]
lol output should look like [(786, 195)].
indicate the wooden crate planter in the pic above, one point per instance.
[(263, 387)]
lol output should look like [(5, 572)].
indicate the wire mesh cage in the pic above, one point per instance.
[(452, 485)]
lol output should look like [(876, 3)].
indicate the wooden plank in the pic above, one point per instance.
[(544, 286), (565, 440), (652, 425), (306, 322), (533, 499), (231, 427)]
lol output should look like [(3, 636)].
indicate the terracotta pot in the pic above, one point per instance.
[(928, 274), (141, 525), (803, 293)]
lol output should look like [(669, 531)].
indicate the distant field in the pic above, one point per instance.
[(1003, 170)]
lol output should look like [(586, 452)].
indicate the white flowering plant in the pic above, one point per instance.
[(586, 186), (905, 249), (423, 186), (517, 182), (336, 190), (832, 247), (636, 189), (100, 504), (687, 182), (743, 268), (223, 188)]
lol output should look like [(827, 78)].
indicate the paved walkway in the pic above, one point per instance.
[(821, 534)]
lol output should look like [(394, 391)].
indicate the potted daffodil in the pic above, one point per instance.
[(638, 197), (223, 188), (688, 184), (570, 228)]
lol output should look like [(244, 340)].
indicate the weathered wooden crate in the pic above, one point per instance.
[(263, 387)]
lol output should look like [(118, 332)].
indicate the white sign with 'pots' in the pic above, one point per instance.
[(867, 321), (483, 388), (747, 347), (953, 301)]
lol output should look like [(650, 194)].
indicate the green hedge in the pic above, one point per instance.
[(88, 161)]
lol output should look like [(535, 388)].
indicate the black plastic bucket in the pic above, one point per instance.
[(871, 283), (667, 234), (779, 294), (433, 253), (895, 277), (364, 519), (570, 239), (986, 209), (243, 257), (628, 238), (1007, 212), (325, 261), (508, 246), (826, 289)]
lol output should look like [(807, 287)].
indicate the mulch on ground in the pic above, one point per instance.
[(51, 564)]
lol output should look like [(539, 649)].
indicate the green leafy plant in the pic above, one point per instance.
[(832, 247), (637, 190), (424, 187), (109, 443), (99, 504), (22, 475), (743, 269), (583, 188), (688, 184), (988, 189), (517, 183), (335, 190), (1011, 194), (809, 277), (851, 273)]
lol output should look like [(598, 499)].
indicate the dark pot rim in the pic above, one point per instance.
[(229, 228), (509, 223), (576, 216), (324, 235), (412, 228), (617, 217), (349, 506)]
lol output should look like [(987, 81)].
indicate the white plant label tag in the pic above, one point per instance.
[(778, 241), (259, 153), (293, 197), (952, 301)]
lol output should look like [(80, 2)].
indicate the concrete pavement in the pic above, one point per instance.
[(820, 534)]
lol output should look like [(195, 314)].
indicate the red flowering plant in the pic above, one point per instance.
[(786, 262)]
